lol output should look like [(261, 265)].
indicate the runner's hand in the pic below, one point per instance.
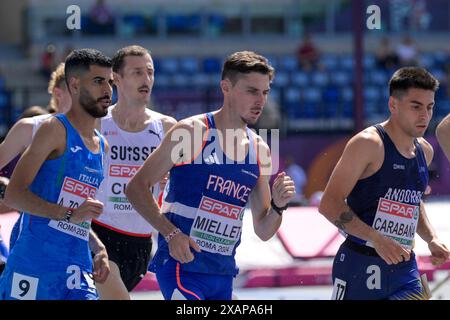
[(390, 251), (101, 266), (283, 190), (439, 252), (89, 209), (180, 248)]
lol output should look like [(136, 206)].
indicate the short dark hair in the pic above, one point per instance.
[(79, 61), (245, 62), (118, 60), (411, 77)]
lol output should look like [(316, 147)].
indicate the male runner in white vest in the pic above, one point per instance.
[(133, 131)]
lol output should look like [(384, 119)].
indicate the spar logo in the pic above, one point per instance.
[(221, 208), (78, 188), (398, 209), (123, 171)]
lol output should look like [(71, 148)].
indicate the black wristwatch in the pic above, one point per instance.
[(69, 213), (278, 210), (2, 190)]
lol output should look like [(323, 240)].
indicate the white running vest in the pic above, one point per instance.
[(127, 153), (37, 121)]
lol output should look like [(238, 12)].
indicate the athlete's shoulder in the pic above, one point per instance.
[(427, 149), (367, 138), (366, 146), (22, 127), (193, 123), (52, 123), (41, 117), (166, 120), (30, 122)]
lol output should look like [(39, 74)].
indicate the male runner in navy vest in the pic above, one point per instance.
[(54, 184), (215, 170), (374, 195)]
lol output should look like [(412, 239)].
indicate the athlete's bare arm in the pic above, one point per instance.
[(100, 260), (362, 157), (169, 152), (168, 123), (439, 252), (443, 135), (42, 148), (266, 221), (16, 141)]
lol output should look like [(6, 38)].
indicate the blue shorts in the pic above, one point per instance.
[(360, 274), (177, 284), (71, 283)]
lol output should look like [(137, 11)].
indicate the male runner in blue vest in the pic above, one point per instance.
[(54, 184), (219, 166), (375, 195)]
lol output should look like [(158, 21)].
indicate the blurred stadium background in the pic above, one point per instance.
[(316, 106)]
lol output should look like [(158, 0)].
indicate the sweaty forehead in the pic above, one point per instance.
[(131, 62), (254, 80), (98, 71), (422, 95)]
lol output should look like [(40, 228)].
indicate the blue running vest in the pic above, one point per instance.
[(67, 180), (389, 200), (206, 199)]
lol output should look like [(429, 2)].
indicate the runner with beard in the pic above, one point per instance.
[(54, 184)]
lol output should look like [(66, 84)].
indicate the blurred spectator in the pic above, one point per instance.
[(385, 55), (407, 52), (48, 60), (421, 17), (101, 18), (271, 116), (308, 54), (298, 175)]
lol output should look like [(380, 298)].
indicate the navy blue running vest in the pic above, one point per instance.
[(389, 200)]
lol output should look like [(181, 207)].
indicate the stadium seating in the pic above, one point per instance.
[(318, 95)]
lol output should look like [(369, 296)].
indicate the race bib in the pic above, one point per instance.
[(338, 289), (397, 221), (24, 287), (119, 175), (217, 226), (73, 194)]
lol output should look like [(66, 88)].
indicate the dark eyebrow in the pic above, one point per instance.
[(256, 89), (416, 102), (420, 103), (140, 68)]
